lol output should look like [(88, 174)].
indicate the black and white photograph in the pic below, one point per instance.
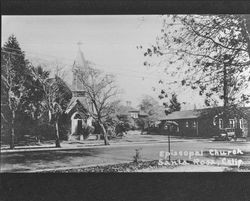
[(125, 93)]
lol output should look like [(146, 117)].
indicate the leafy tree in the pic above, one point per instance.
[(35, 96), (151, 107), (173, 104), (14, 82), (122, 113), (210, 52), (100, 92), (153, 110)]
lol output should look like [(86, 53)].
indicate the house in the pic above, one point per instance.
[(135, 114), (130, 115), (129, 111), (209, 121)]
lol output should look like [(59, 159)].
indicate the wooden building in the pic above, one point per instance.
[(209, 121)]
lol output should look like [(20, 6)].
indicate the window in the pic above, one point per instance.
[(194, 124), (220, 124), (231, 123), (241, 124), (134, 115), (187, 124)]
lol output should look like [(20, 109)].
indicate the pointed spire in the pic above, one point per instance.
[(79, 44), (79, 64), (80, 61)]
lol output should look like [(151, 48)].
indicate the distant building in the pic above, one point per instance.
[(130, 114), (209, 121), (137, 114)]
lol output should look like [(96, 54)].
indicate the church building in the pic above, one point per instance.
[(78, 119)]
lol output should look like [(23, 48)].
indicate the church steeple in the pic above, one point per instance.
[(80, 64), (80, 61), (79, 44)]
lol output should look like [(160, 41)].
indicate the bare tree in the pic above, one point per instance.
[(153, 112), (101, 92), (15, 92), (56, 94)]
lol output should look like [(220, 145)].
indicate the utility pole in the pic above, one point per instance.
[(169, 130), (169, 158)]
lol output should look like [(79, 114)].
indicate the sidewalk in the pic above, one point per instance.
[(130, 138), (67, 145)]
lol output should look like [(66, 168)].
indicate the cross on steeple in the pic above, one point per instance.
[(79, 44)]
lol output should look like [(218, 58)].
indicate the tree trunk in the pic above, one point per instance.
[(57, 135), (248, 129), (105, 137), (225, 95), (12, 135)]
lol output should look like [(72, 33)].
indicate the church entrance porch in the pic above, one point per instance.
[(81, 126), (77, 125)]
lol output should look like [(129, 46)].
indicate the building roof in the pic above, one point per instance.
[(141, 113), (186, 114), (194, 114), (128, 109), (133, 110), (77, 100)]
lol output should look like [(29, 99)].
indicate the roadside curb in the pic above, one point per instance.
[(52, 148)]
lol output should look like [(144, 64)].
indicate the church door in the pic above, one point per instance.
[(76, 123), (79, 126)]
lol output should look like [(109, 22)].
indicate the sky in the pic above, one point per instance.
[(108, 41)]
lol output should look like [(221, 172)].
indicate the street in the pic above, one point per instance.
[(115, 153)]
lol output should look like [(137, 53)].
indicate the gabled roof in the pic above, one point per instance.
[(77, 100)]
